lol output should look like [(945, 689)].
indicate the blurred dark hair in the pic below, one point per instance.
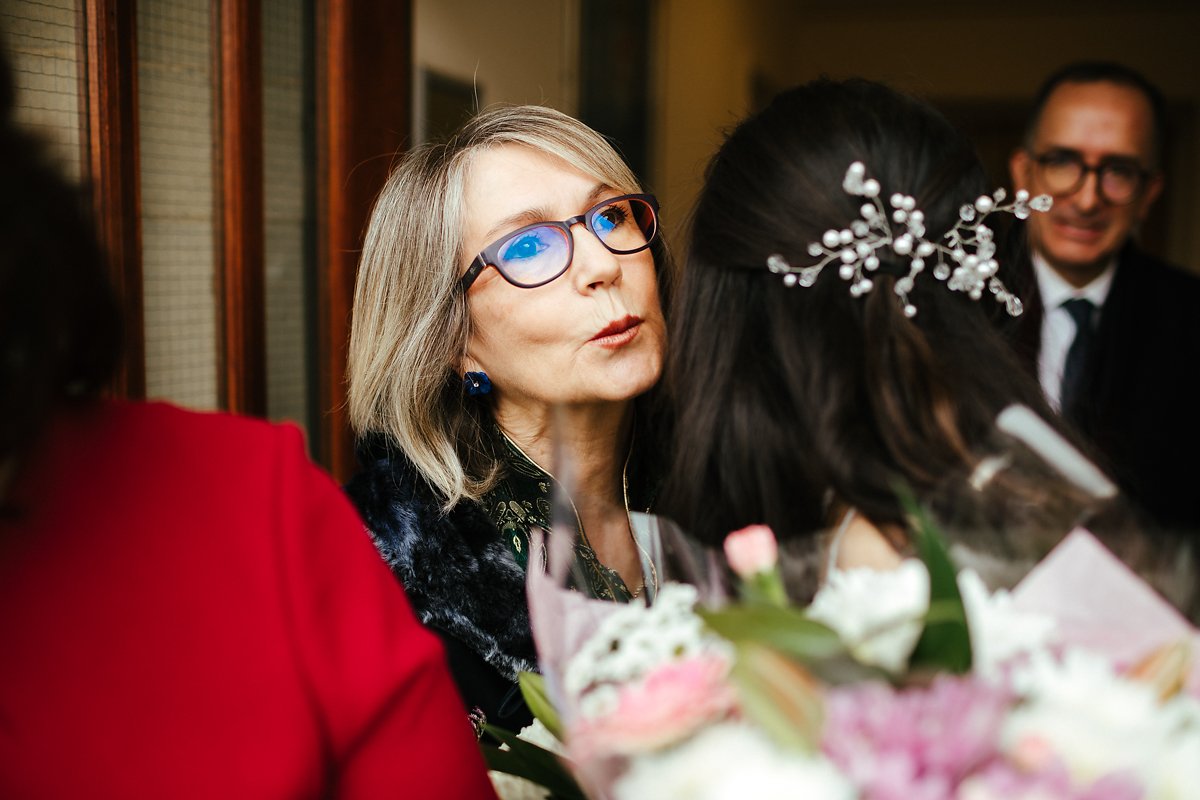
[(1103, 72), (60, 326), (785, 394)]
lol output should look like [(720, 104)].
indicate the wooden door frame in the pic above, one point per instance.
[(364, 87)]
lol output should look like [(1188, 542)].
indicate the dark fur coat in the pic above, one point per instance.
[(459, 574)]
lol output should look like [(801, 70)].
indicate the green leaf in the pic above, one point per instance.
[(791, 632), (942, 611), (527, 760), (844, 668), (779, 695), (533, 688), (946, 642), (787, 630)]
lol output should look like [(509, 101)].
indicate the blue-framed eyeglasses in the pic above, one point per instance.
[(536, 254)]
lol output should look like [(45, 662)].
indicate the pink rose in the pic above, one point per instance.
[(751, 551), (1033, 753), (669, 704)]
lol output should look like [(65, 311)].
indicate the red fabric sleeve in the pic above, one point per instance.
[(378, 679), (189, 608)]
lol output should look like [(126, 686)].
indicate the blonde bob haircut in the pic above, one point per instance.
[(411, 323)]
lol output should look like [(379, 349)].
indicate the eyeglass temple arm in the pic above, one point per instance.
[(477, 266)]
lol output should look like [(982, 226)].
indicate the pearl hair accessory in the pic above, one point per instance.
[(969, 244)]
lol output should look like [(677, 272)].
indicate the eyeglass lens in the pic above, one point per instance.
[(540, 253), (1064, 173), (625, 226), (533, 255)]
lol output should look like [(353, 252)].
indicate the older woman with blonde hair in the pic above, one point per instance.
[(507, 319)]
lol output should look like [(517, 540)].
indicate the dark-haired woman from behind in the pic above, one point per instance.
[(818, 370), (188, 607)]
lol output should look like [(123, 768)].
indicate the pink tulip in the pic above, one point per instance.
[(751, 551)]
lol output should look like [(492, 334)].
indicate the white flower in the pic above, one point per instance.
[(1175, 773), (633, 641), (999, 632), (731, 762), (600, 701), (1098, 722), (511, 787), (879, 614), (539, 734)]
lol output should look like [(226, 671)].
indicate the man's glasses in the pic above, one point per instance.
[(1118, 180), (537, 254)]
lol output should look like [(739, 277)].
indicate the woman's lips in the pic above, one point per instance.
[(618, 333)]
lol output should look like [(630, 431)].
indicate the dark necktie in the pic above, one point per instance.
[(1081, 311)]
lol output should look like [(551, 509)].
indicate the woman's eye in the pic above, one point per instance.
[(525, 246), (609, 219)]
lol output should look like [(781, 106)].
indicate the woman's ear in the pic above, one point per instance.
[(467, 363)]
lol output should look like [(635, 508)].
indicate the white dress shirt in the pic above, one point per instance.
[(1058, 328)]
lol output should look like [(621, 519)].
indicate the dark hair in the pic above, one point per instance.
[(1103, 72), (785, 394), (59, 322)]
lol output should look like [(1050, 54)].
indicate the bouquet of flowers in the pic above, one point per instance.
[(912, 683)]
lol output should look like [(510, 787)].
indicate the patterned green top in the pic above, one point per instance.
[(523, 499)]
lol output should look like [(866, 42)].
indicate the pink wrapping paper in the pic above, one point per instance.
[(562, 619), (1100, 604)]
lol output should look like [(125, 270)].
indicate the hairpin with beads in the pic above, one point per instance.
[(969, 246)]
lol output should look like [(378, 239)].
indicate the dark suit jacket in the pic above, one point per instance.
[(1140, 405)]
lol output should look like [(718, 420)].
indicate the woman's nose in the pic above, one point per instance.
[(594, 264)]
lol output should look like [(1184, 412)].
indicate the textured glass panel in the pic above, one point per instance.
[(43, 49), (175, 99), (288, 207)]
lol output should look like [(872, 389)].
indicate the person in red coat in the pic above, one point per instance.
[(188, 607)]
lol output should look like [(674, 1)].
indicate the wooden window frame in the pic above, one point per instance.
[(113, 170), (242, 377), (111, 159), (363, 99)]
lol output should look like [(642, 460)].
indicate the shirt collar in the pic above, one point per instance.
[(1055, 290)]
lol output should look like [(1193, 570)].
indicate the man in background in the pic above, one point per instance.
[(1114, 333)]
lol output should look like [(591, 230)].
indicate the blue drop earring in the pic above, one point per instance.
[(475, 383)]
